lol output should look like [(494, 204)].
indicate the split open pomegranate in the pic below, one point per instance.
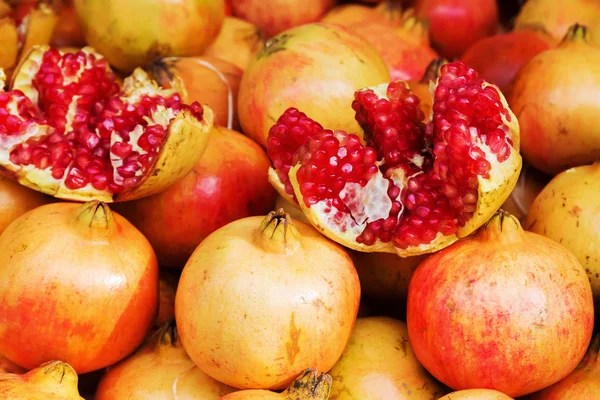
[(413, 186), (69, 128)]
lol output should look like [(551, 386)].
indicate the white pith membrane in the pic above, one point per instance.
[(371, 202), (130, 92)]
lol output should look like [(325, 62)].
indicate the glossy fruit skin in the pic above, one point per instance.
[(499, 58), (476, 394), (556, 109), (454, 25), (490, 311), (566, 211), (316, 67), (16, 200), (275, 16), (301, 296), (228, 183), (87, 288), (164, 28), (379, 347)]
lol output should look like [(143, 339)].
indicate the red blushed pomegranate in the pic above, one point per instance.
[(207, 80), (499, 58), (556, 110), (531, 182), (16, 200), (237, 43), (68, 30), (581, 384), (405, 49), (379, 363), (456, 24), (7, 366), (275, 16), (53, 380), (506, 309), (136, 32), (388, 12), (476, 394), (154, 371), (69, 129), (228, 183), (82, 280), (314, 67), (301, 297), (413, 188)]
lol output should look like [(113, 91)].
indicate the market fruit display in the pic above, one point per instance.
[(53, 380)]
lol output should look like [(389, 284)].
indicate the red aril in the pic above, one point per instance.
[(414, 187), (228, 183), (69, 129), (82, 280), (53, 380), (16, 200), (505, 309)]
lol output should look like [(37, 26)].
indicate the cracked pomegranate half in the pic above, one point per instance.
[(69, 128), (414, 186)]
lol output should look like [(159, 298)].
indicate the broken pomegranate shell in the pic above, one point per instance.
[(414, 187), (69, 128)]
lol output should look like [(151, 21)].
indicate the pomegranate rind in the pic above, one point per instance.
[(40, 23), (278, 185)]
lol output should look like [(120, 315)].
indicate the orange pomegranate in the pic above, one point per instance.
[(53, 380), (388, 12), (476, 394), (228, 183), (301, 296), (16, 200), (379, 363), (82, 280)]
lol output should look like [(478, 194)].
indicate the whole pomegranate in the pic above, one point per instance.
[(415, 186), (499, 58), (379, 347), (310, 385), (133, 33), (154, 371), (16, 200), (237, 43), (456, 24), (300, 297), (77, 283), (555, 109), (388, 12), (581, 384), (496, 309), (476, 394), (530, 184), (557, 16), (208, 80), (70, 129), (275, 16), (314, 67), (53, 380), (228, 183), (566, 211), (405, 49)]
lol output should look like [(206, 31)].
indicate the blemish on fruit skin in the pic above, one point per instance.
[(291, 346)]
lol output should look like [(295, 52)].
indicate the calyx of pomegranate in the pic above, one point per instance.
[(277, 233), (413, 186), (309, 385), (68, 128)]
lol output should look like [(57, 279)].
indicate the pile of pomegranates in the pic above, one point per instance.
[(299, 199)]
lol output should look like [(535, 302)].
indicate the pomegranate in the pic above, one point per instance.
[(388, 12), (82, 280), (68, 30), (422, 87), (310, 385), (379, 363), (530, 184), (275, 16), (314, 67), (567, 212), (167, 286), (300, 297), (153, 371), (53, 380), (415, 187), (505, 309), (557, 16), (207, 80), (556, 109), (237, 43), (499, 58), (16, 200), (456, 24), (7, 366), (476, 394), (581, 384), (404, 49), (228, 183), (163, 29), (68, 129)]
